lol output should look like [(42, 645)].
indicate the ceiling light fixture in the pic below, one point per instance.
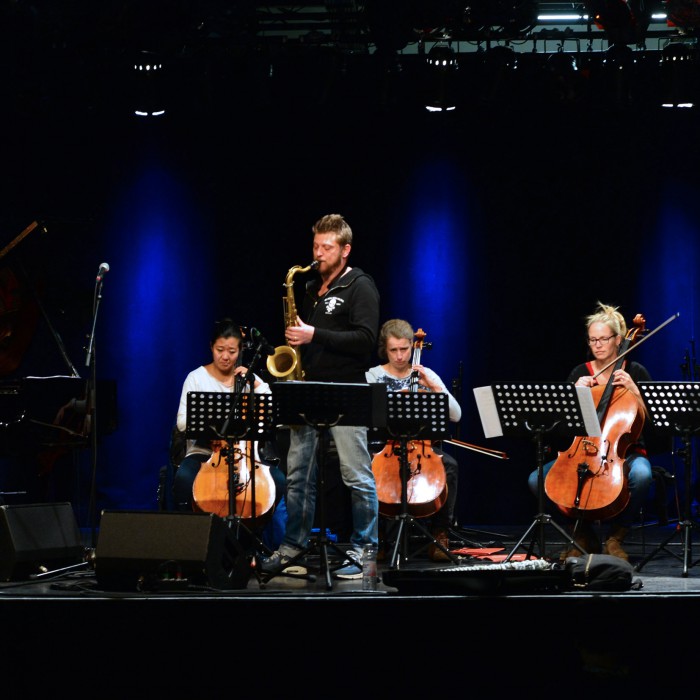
[(442, 74)]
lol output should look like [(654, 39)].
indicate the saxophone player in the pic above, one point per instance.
[(335, 334)]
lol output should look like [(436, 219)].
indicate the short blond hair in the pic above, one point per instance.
[(610, 316), (334, 223)]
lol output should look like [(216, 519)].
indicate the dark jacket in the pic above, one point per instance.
[(346, 322)]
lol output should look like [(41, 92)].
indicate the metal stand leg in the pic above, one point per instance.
[(541, 519), (400, 552), (685, 526)]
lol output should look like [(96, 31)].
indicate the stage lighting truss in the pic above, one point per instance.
[(502, 18)]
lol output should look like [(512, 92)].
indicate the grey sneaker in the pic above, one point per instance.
[(351, 568), (278, 562)]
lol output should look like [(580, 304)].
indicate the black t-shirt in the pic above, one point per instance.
[(639, 373)]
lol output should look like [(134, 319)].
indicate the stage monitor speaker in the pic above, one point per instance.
[(160, 550), (36, 538)]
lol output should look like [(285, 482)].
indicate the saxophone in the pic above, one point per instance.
[(285, 363)]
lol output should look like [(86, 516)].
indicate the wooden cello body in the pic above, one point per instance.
[(589, 480), (234, 464), (426, 482), (426, 486)]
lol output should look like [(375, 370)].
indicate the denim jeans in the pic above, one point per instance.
[(184, 480), (639, 480), (357, 475)]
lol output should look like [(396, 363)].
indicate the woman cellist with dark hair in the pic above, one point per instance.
[(203, 477), (607, 334)]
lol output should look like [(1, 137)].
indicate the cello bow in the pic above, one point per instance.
[(484, 450), (637, 344)]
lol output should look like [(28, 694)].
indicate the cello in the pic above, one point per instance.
[(426, 484), (234, 464), (589, 480)]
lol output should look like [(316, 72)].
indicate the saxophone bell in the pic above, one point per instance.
[(285, 362)]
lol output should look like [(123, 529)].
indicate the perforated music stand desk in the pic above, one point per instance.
[(323, 405), (231, 416), (248, 416), (534, 409), (674, 408)]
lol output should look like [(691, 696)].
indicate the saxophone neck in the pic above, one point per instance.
[(298, 269)]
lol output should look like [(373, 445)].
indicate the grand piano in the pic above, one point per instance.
[(43, 419)]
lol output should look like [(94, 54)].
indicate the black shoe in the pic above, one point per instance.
[(278, 562)]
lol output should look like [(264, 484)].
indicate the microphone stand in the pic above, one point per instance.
[(232, 474), (91, 419)]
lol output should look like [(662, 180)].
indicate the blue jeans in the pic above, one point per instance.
[(639, 480), (357, 475), (184, 481)]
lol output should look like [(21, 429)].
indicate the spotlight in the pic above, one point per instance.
[(678, 76), (499, 70), (618, 68), (561, 70), (442, 76), (149, 85)]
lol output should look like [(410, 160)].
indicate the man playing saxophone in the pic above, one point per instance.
[(335, 335)]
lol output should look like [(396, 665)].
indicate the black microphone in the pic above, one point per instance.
[(104, 269), (262, 342), (247, 338)]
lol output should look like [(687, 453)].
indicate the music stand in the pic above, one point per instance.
[(674, 408), (232, 417), (422, 415), (529, 408), (322, 406)]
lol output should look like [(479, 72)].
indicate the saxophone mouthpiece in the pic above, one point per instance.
[(314, 264)]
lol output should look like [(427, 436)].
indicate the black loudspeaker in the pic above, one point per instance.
[(36, 538), (159, 550)]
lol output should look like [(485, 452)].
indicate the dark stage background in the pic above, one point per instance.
[(496, 229)]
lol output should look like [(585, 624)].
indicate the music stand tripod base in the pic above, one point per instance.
[(535, 409), (413, 416), (232, 417), (674, 408)]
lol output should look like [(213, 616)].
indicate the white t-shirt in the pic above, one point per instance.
[(200, 380)]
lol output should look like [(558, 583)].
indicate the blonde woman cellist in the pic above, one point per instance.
[(606, 329)]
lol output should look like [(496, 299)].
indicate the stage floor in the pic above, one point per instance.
[(531, 631), (663, 565)]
